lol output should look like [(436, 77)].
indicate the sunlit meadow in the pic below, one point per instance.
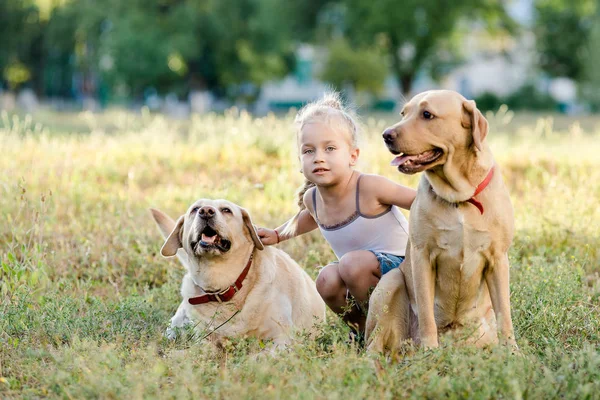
[(85, 295)]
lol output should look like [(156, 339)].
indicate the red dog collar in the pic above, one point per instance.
[(479, 189), (224, 295)]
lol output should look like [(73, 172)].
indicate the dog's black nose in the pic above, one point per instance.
[(207, 212), (389, 135)]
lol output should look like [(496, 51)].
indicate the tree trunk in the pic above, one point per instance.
[(195, 79), (406, 81), (404, 78), (39, 66)]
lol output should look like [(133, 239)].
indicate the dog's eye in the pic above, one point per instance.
[(427, 115), (226, 210), (194, 210)]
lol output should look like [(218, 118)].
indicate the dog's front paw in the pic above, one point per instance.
[(178, 327), (430, 342), (511, 344), (172, 333)]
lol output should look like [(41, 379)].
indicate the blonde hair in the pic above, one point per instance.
[(326, 109)]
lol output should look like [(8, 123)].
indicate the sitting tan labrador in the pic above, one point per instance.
[(234, 286), (455, 276)]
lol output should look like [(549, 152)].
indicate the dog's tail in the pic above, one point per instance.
[(166, 225)]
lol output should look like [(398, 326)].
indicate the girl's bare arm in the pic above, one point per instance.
[(389, 192), (304, 224)]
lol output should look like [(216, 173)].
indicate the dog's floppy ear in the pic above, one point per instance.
[(251, 229), (173, 242), (474, 119), (163, 221)]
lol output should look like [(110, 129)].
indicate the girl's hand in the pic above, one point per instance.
[(267, 236)]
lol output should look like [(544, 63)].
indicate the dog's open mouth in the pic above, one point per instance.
[(410, 164), (210, 239)]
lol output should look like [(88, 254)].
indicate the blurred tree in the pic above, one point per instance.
[(59, 43), (34, 33), (590, 80), (20, 34), (194, 44), (238, 41), (416, 32), (170, 45), (303, 19), (363, 69), (562, 30), (182, 45)]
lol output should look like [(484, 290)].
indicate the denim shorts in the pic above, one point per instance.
[(387, 262)]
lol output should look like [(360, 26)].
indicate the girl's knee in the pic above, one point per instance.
[(329, 282), (358, 264)]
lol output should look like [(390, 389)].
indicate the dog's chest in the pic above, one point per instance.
[(209, 316), (461, 244)]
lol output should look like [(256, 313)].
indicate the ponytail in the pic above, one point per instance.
[(292, 226)]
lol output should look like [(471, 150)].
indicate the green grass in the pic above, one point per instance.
[(85, 296)]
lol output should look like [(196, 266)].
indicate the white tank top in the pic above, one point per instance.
[(386, 232)]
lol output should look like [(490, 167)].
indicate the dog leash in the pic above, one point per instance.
[(226, 294), (226, 321)]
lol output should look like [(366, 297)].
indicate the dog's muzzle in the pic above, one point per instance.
[(389, 136), (207, 238)]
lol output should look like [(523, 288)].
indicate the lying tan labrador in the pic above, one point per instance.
[(455, 276), (234, 286)]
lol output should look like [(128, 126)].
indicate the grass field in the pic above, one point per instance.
[(85, 295)]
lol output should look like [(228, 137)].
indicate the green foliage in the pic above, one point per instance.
[(526, 97), (363, 69), (589, 86), (169, 45), (16, 74), (213, 44), (562, 29), (20, 34), (416, 32)]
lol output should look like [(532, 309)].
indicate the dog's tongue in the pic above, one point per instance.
[(399, 160), (208, 239)]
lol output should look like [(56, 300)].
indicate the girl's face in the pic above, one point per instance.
[(327, 154)]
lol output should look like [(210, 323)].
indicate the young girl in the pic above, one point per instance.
[(355, 212)]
